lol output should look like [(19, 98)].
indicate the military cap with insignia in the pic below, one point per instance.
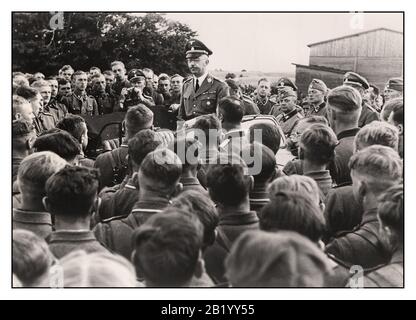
[(352, 78), (286, 82), (134, 74), (319, 85), (286, 92), (395, 84), (194, 48)]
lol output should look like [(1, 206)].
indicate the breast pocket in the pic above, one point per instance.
[(209, 103)]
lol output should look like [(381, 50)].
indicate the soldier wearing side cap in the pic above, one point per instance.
[(201, 92), (393, 89), (290, 115), (368, 113), (317, 91)]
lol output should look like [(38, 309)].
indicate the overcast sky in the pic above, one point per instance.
[(273, 41)]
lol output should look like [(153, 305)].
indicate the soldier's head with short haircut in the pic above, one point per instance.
[(188, 150), (397, 116), (389, 106), (141, 145), (73, 185), (227, 181), (35, 170), (138, 118), (207, 130), (167, 249), (76, 126), (377, 132), (23, 136), (44, 88), (374, 169), (295, 183), (344, 106), (317, 144), (257, 155), (282, 259), (231, 110), (22, 109), (31, 257), (263, 87), (269, 134), (201, 206), (160, 172), (60, 142), (391, 214), (293, 211), (119, 69)]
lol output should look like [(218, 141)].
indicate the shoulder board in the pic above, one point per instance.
[(342, 185), (217, 79), (371, 108), (369, 270), (339, 261), (108, 220)]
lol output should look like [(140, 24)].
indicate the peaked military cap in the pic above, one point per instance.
[(134, 74), (395, 84), (318, 85), (352, 78), (286, 82), (195, 48)]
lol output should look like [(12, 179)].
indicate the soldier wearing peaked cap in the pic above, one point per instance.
[(134, 95), (317, 92), (201, 92), (368, 113), (290, 116), (286, 82), (393, 89), (277, 86)]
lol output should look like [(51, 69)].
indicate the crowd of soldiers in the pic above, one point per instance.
[(145, 214)]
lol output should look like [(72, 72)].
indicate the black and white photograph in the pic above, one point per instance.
[(208, 150)]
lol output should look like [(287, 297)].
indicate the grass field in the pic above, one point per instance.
[(252, 77)]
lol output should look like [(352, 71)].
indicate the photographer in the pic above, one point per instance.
[(134, 95)]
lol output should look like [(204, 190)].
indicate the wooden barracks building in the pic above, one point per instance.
[(376, 54)]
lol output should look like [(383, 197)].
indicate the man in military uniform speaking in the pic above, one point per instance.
[(201, 92)]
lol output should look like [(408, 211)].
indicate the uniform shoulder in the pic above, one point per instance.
[(115, 219), (186, 80)]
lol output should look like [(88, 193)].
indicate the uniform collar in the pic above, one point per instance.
[(348, 133), (72, 235), (201, 78), (289, 115), (32, 217), (190, 181), (319, 106), (79, 95), (238, 217)]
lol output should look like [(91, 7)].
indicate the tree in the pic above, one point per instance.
[(96, 39)]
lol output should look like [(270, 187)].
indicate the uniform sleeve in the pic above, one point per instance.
[(341, 249), (102, 232), (181, 111)]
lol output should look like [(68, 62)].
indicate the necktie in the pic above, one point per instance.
[(196, 85)]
